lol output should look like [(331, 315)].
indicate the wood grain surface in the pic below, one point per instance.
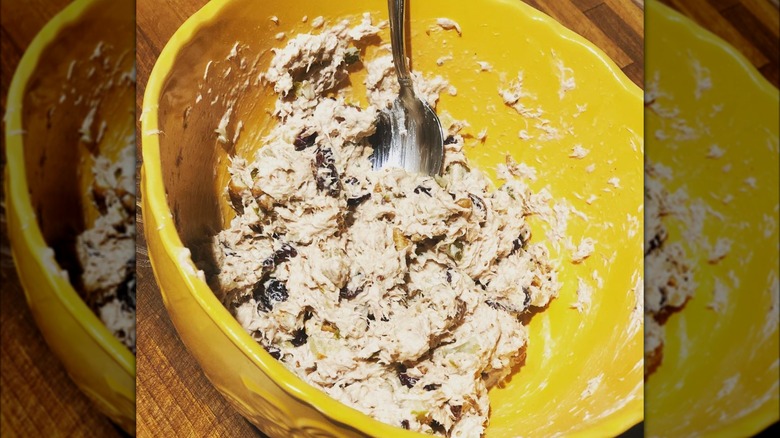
[(172, 393), (37, 398)]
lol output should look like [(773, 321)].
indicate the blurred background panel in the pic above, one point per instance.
[(732, 147), (37, 397)]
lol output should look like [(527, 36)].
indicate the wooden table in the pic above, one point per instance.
[(172, 392), (37, 398)]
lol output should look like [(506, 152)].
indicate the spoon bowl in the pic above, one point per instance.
[(409, 133), (409, 136)]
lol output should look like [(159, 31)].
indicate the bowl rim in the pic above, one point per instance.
[(17, 194), (766, 414), (161, 215)]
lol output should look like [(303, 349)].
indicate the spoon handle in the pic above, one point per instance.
[(397, 40)]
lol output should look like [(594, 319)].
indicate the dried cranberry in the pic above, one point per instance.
[(274, 352), (655, 242), (354, 202), (277, 291), (302, 142), (407, 380), (421, 189), (286, 252), (518, 243), (299, 337), (267, 296), (347, 294)]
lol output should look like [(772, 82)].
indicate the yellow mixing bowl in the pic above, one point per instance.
[(46, 180), (719, 374), (584, 371)]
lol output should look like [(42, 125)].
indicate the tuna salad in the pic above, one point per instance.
[(106, 251), (402, 295)]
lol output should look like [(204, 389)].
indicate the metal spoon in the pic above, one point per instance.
[(409, 133)]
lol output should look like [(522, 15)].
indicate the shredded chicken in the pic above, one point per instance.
[(398, 294), (106, 251)]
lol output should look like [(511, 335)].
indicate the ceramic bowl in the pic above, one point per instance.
[(584, 371)]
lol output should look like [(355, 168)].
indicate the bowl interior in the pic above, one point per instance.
[(726, 363), (78, 104), (584, 370)]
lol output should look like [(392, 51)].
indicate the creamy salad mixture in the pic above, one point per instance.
[(670, 285), (106, 251), (401, 295)]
